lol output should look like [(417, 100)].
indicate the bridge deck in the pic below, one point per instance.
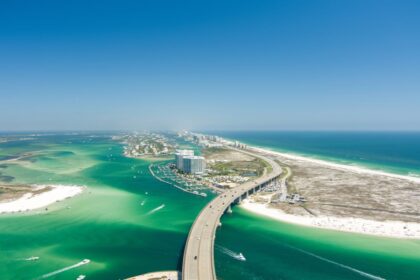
[(198, 263)]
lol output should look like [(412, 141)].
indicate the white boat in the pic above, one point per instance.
[(241, 257), (85, 261), (32, 259), (81, 277)]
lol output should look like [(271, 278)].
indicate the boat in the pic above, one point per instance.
[(32, 259), (241, 257), (85, 261), (81, 277)]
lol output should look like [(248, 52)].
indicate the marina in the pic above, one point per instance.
[(164, 174)]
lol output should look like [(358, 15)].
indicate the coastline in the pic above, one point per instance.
[(29, 201), (394, 229), (339, 166)]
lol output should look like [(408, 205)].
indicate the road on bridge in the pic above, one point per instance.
[(198, 263)]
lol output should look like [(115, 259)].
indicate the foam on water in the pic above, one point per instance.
[(86, 261), (362, 273), (156, 209), (236, 256)]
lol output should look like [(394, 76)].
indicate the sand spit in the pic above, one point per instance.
[(30, 201)]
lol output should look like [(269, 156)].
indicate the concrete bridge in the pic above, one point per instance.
[(198, 262)]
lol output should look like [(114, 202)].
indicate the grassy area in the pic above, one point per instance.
[(213, 150), (232, 163), (290, 187), (242, 168)]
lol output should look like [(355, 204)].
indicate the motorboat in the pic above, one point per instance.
[(241, 257)]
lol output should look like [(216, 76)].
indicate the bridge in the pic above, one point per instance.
[(198, 262)]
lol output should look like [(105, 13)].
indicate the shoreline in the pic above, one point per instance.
[(339, 166), (391, 229), (388, 228), (29, 201)]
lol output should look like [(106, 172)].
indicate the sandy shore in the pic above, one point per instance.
[(30, 201), (344, 167), (388, 228), (357, 225)]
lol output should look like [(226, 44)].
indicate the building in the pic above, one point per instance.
[(179, 155), (193, 164)]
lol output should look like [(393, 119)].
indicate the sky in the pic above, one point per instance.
[(210, 65)]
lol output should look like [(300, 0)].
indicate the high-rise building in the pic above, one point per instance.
[(193, 164), (179, 155)]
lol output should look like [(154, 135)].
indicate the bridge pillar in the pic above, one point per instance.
[(239, 200)]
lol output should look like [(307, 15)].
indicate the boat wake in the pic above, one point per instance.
[(362, 273), (85, 261), (156, 209), (230, 253), (29, 259)]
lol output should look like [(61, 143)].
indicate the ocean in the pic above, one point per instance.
[(127, 223), (396, 152)]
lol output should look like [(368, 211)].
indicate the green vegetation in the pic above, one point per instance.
[(213, 150), (242, 168)]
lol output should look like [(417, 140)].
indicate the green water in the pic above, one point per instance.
[(109, 225)]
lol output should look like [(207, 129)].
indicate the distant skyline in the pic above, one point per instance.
[(210, 65)]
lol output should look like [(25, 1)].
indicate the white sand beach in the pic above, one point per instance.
[(344, 167), (356, 225), (387, 228), (30, 201)]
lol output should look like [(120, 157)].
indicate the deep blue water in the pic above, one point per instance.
[(397, 152)]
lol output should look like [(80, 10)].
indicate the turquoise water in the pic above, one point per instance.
[(397, 152), (120, 225)]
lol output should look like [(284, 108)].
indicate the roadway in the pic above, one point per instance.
[(198, 262)]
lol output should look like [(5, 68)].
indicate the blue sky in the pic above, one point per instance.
[(267, 65)]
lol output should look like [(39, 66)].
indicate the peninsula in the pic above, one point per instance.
[(21, 198), (329, 195)]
